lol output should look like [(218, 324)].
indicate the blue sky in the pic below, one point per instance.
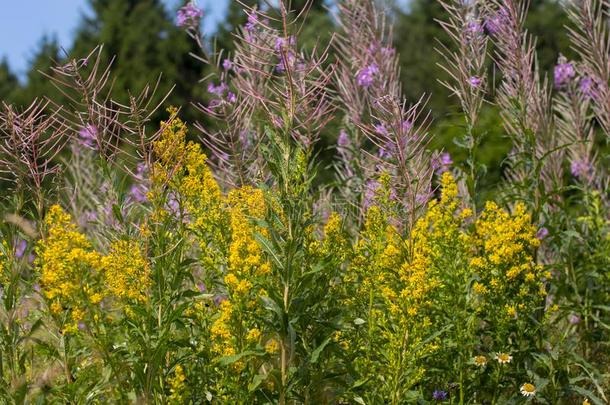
[(24, 22)]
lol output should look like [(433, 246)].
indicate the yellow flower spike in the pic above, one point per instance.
[(177, 386), (127, 272), (66, 261)]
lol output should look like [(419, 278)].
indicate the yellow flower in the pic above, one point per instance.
[(511, 311), (479, 288), (67, 262), (177, 386), (272, 346), (126, 271), (253, 335)]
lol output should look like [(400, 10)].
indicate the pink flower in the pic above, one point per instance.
[(189, 16), (563, 74), (442, 163), (496, 23), (88, 136), (542, 233), (580, 168), (343, 140), (475, 81), (366, 75)]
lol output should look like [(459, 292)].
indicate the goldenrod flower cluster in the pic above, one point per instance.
[(246, 265), (335, 243), (245, 254), (399, 280), (69, 268), (507, 276), (75, 278), (394, 281), (177, 386), (181, 168), (126, 271)]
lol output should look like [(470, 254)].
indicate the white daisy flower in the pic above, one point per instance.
[(528, 390), (503, 358)]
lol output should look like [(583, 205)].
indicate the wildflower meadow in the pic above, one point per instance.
[(147, 259)]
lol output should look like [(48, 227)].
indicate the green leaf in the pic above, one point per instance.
[(226, 360), (267, 247), (316, 353), (588, 394), (256, 381)]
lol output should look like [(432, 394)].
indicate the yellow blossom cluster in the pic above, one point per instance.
[(177, 386), (400, 281), (394, 281), (181, 168), (69, 268), (335, 243), (503, 262), (223, 225), (75, 278), (221, 329), (126, 271), (245, 265), (245, 254)]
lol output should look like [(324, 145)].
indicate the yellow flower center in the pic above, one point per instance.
[(529, 387)]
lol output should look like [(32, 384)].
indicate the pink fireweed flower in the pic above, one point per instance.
[(281, 42), (580, 168), (388, 52), (343, 140), (387, 151), (286, 60), (380, 129), (20, 248), (138, 193), (366, 75), (370, 192), (589, 87), (473, 29), (542, 233), (87, 136), (218, 90), (252, 22), (89, 216), (442, 163), (475, 81), (563, 74), (189, 16), (139, 189), (495, 23), (227, 64)]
